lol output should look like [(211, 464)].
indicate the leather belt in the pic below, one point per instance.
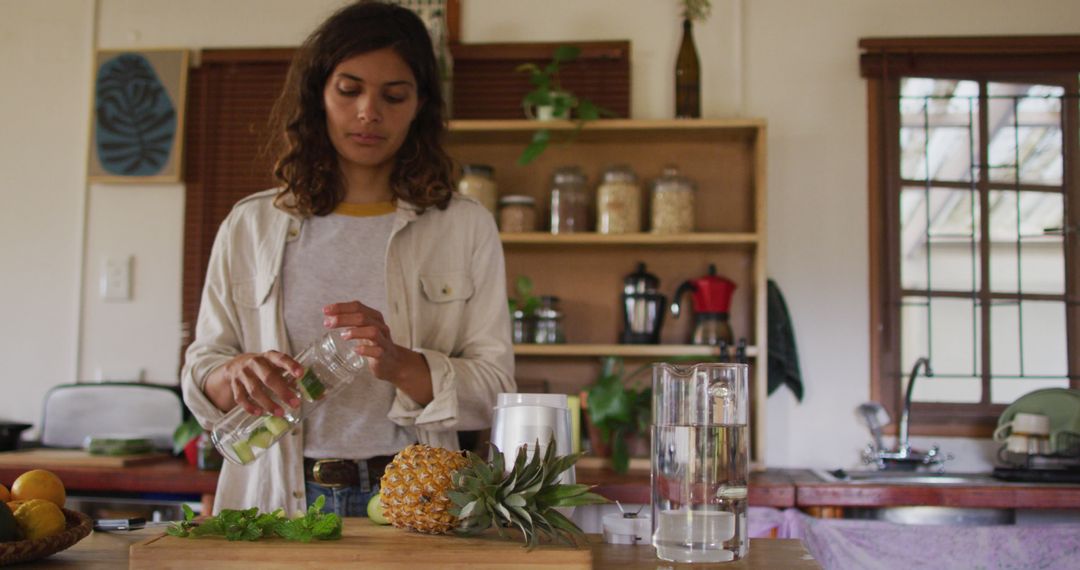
[(345, 472)]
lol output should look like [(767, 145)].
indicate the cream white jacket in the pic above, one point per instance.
[(446, 293)]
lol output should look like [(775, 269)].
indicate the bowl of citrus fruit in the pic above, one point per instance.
[(33, 521)]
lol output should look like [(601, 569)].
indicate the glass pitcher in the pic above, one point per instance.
[(700, 465)]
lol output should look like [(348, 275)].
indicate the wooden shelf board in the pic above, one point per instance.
[(604, 124), (589, 238), (625, 350)]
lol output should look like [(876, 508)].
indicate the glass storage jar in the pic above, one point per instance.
[(569, 201), (672, 203), (517, 214), (618, 201), (548, 322), (478, 182), (330, 364)]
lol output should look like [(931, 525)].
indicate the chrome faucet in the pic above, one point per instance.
[(904, 458)]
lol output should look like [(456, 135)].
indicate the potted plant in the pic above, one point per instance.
[(523, 310), (620, 411), (548, 100)]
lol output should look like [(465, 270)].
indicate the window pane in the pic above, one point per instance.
[(939, 133), (1025, 130), (951, 340), (946, 259), (1007, 390), (1023, 257), (1042, 340), (952, 390)]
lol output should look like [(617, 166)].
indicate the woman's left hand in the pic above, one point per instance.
[(396, 364)]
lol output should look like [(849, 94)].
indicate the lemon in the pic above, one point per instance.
[(38, 518), (39, 484), (375, 509)]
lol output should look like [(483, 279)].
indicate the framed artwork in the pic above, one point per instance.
[(137, 115)]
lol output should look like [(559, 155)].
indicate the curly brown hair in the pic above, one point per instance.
[(307, 164)]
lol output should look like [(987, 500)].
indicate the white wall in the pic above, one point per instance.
[(793, 63), (45, 66)]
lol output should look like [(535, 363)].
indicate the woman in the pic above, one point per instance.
[(364, 235)]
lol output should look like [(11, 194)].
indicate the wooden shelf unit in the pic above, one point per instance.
[(726, 158)]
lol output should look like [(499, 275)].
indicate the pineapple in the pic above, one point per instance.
[(433, 490)]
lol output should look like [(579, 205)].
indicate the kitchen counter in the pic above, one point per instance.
[(109, 551), (171, 475), (784, 488)]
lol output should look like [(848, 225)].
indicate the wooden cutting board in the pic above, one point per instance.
[(45, 458), (363, 545)]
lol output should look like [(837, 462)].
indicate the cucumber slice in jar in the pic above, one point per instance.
[(260, 438), (311, 388), (243, 452), (276, 425)]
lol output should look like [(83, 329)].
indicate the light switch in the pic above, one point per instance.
[(116, 279)]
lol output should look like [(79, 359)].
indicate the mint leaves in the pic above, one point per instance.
[(249, 524)]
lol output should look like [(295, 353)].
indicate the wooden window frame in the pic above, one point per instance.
[(883, 62)]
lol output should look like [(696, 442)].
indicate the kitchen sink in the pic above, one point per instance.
[(904, 478)]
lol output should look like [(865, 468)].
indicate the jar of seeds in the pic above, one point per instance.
[(618, 201), (672, 203)]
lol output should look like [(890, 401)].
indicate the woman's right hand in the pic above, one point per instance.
[(247, 380)]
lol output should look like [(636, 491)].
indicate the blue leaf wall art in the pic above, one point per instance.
[(134, 119)]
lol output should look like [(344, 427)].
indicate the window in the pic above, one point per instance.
[(974, 210)]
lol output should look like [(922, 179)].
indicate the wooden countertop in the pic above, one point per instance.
[(771, 488), (172, 475), (784, 488), (109, 551)]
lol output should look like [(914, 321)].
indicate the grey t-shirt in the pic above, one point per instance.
[(339, 258)]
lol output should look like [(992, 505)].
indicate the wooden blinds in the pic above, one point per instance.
[(229, 101)]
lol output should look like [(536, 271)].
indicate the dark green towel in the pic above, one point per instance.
[(783, 354)]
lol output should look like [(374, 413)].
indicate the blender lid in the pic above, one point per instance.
[(640, 281)]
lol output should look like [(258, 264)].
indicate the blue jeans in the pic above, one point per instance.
[(345, 501)]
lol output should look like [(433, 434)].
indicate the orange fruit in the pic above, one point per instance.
[(39, 484), (5, 496), (39, 518)]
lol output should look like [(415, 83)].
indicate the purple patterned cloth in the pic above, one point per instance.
[(762, 521), (868, 545)]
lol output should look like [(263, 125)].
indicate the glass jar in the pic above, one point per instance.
[(517, 214), (521, 327), (209, 458), (548, 324), (478, 182), (618, 202), (330, 364), (672, 203), (569, 201)]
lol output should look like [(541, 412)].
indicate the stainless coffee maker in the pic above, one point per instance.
[(643, 308)]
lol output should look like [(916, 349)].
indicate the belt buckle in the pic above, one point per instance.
[(316, 473)]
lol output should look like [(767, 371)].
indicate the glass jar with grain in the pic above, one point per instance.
[(517, 214), (672, 203), (618, 201), (569, 201), (478, 182)]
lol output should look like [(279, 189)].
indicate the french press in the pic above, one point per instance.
[(643, 307)]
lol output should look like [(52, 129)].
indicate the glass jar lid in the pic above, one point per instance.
[(517, 200), (485, 170), (671, 180), (568, 176), (619, 173)]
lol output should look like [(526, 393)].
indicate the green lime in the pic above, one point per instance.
[(375, 510)]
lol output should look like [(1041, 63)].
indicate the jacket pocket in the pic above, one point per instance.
[(446, 287), (251, 294)]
